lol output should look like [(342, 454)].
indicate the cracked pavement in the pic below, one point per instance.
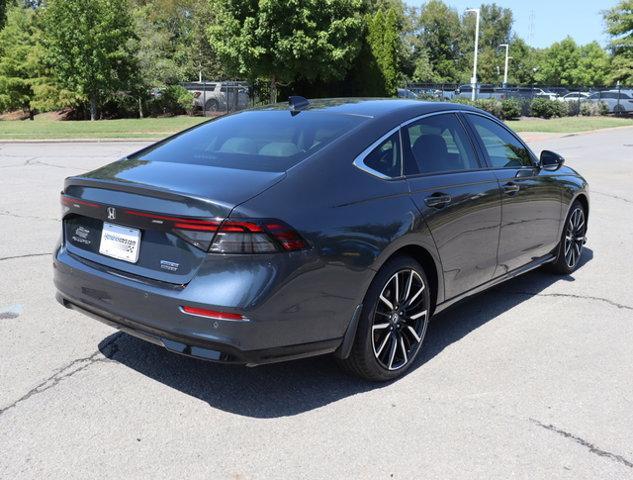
[(533, 379)]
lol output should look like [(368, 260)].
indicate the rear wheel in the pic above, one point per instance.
[(572, 240), (393, 322)]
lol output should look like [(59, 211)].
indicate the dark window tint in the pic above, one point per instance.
[(260, 140), (503, 148), (438, 143), (385, 158)]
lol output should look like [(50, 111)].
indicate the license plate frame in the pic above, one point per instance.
[(119, 242)]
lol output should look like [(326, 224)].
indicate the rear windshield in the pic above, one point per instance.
[(258, 140)]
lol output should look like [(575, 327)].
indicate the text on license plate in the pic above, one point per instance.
[(122, 243)]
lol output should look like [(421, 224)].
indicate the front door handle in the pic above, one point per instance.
[(438, 200), (511, 188)]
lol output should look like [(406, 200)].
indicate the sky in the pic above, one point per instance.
[(551, 20)]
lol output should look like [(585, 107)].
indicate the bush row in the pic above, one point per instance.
[(511, 108)]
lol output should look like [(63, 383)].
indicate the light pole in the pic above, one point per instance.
[(473, 81), (505, 68)]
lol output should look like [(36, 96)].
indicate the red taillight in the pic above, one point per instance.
[(288, 238), (203, 312), (70, 201), (255, 237)]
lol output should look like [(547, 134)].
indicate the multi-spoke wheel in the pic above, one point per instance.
[(393, 321), (572, 241), (399, 319)]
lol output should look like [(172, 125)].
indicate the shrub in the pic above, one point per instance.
[(546, 108), (172, 100), (489, 105), (510, 108)]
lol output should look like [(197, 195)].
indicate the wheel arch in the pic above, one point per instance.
[(584, 201), (431, 269)]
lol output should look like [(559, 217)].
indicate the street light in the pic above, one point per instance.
[(473, 81), (505, 69)]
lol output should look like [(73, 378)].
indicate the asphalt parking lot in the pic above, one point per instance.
[(533, 379)]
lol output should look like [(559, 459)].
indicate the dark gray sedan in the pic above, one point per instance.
[(330, 226)]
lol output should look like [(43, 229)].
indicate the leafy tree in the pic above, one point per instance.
[(18, 65), (619, 22), (559, 62), (384, 47), (89, 47), (439, 42), (593, 66), (495, 28), (284, 40), (524, 63)]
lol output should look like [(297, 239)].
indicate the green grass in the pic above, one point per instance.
[(568, 124), (151, 128), (101, 129)]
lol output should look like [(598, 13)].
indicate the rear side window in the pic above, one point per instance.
[(504, 149), (437, 144), (258, 140), (385, 158)]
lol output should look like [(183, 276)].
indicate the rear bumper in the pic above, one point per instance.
[(152, 313)]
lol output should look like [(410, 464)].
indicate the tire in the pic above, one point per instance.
[(569, 250), (390, 333), (212, 106)]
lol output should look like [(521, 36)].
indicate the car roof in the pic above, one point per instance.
[(373, 107)]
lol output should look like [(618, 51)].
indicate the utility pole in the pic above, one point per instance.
[(473, 81), (505, 68)]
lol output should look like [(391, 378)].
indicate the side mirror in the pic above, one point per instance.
[(551, 161)]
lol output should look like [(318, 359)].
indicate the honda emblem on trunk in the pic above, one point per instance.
[(111, 213)]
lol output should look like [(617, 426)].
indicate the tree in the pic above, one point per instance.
[(89, 48), (495, 28), (439, 42), (525, 62), (558, 63), (18, 66), (283, 40), (593, 66), (384, 49), (619, 22)]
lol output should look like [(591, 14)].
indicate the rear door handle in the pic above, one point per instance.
[(511, 188), (438, 200)]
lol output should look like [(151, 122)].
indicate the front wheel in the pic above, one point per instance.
[(572, 241), (393, 321)]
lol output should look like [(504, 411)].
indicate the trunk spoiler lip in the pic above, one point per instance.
[(142, 189)]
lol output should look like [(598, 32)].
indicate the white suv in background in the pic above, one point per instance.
[(219, 96)]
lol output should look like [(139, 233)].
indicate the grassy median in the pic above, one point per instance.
[(130, 128), (568, 124), (153, 128)]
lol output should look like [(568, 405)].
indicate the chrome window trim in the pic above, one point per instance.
[(359, 161)]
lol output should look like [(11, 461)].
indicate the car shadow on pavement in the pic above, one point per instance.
[(295, 387)]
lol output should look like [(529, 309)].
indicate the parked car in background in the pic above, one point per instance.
[(219, 96), (483, 91), (540, 93), (406, 93), (559, 91), (617, 101), (574, 97)]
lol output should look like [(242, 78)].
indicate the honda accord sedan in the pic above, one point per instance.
[(326, 226)]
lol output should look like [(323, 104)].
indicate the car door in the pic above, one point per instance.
[(531, 198), (459, 200)]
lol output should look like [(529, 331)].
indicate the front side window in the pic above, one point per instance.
[(437, 144), (504, 149), (385, 158)]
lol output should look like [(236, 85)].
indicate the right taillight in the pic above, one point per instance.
[(255, 237)]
